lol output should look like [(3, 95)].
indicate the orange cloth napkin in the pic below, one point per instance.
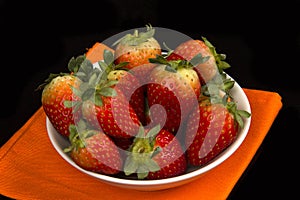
[(31, 168)]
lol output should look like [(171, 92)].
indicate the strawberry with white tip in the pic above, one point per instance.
[(59, 101), (136, 49)]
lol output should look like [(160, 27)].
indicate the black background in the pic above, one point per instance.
[(261, 43)]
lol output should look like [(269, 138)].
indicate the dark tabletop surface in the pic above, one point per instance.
[(261, 44)]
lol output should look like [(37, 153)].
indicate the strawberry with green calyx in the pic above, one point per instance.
[(216, 82), (211, 127), (73, 67), (136, 49), (94, 151), (56, 101), (128, 83), (60, 103), (111, 113), (132, 90), (174, 85), (206, 70), (64, 93), (105, 107), (184, 68), (155, 154)]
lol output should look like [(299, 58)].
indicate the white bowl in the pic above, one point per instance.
[(59, 143)]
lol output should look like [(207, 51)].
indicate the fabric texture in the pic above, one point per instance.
[(30, 167)]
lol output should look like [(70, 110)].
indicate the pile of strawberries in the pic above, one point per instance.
[(144, 112)]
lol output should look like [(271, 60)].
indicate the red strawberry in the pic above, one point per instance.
[(61, 96), (111, 112), (132, 89), (95, 151), (211, 128), (126, 82), (105, 106), (155, 154), (176, 87), (189, 49), (57, 98), (136, 49)]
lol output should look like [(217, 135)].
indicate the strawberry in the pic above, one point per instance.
[(176, 87), (136, 49), (206, 70), (103, 106), (94, 151), (213, 125), (125, 82), (132, 89), (59, 102), (155, 154), (114, 115), (62, 96), (211, 128)]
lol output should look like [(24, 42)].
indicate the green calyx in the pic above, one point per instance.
[(73, 67), (220, 58), (237, 114), (74, 64), (94, 80), (218, 91), (78, 134), (174, 65), (107, 64), (49, 79), (141, 152), (137, 37)]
